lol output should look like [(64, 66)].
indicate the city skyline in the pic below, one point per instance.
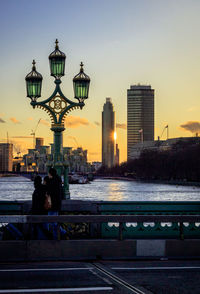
[(121, 43)]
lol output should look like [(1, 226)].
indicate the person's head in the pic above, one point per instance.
[(52, 173), (37, 181), (46, 180)]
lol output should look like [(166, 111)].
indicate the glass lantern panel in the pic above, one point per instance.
[(33, 89), (81, 89), (57, 67)]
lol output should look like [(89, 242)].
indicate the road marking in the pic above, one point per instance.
[(156, 268), (118, 279), (46, 269), (56, 290)]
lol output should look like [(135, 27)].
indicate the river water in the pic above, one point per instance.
[(20, 188)]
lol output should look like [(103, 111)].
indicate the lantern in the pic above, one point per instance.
[(57, 62), (81, 85), (33, 83)]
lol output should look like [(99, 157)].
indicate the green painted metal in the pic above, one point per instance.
[(150, 230), (58, 105), (57, 127), (132, 230), (11, 208)]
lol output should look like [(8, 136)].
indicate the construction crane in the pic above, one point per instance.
[(76, 142), (17, 150), (74, 139), (166, 127), (33, 133)]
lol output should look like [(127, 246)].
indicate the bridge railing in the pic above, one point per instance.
[(119, 221)]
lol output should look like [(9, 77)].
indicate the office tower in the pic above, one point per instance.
[(6, 156), (116, 155), (108, 128), (140, 115)]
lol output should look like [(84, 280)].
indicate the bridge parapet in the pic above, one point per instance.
[(130, 229)]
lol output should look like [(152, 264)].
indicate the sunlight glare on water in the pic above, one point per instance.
[(20, 188)]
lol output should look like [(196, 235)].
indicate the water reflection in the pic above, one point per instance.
[(115, 194), (19, 188)]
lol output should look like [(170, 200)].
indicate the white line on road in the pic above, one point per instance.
[(157, 268), (46, 269), (56, 290)]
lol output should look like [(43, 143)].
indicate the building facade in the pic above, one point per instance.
[(6, 157), (160, 145), (140, 115), (77, 159), (108, 128), (116, 155)]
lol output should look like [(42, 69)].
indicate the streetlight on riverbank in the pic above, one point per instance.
[(57, 105)]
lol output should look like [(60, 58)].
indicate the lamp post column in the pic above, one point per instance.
[(58, 105), (58, 156)]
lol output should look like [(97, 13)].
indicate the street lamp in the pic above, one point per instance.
[(57, 105)]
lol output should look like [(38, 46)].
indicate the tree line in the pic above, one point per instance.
[(180, 162)]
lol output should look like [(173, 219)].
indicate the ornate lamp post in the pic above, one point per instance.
[(57, 105)]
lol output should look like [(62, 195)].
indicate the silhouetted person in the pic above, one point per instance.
[(54, 187), (46, 181), (38, 197), (38, 200)]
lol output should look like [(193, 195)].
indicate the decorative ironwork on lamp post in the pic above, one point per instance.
[(58, 105)]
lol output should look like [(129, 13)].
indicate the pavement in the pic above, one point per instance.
[(109, 277)]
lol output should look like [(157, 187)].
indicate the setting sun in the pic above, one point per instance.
[(115, 136)]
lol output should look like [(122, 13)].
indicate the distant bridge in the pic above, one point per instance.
[(27, 174)]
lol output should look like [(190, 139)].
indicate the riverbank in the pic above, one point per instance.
[(8, 175), (166, 182)]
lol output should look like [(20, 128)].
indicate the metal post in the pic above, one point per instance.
[(181, 231), (58, 156), (66, 182), (120, 231)]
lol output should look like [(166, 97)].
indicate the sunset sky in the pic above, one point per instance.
[(121, 43)]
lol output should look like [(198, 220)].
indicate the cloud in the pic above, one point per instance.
[(191, 126), (121, 126), (15, 121), (45, 122), (97, 123), (1, 120), (76, 121)]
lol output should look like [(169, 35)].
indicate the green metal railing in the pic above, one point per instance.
[(170, 229), (132, 228)]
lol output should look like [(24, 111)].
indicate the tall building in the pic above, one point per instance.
[(116, 155), (39, 142), (108, 128), (6, 156), (140, 115)]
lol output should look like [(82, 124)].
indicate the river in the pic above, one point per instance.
[(20, 188)]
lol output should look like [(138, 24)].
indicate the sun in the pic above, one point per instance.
[(115, 136)]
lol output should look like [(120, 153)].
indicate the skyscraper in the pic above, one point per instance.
[(140, 115), (6, 156), (108, 128), (116, 155)]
